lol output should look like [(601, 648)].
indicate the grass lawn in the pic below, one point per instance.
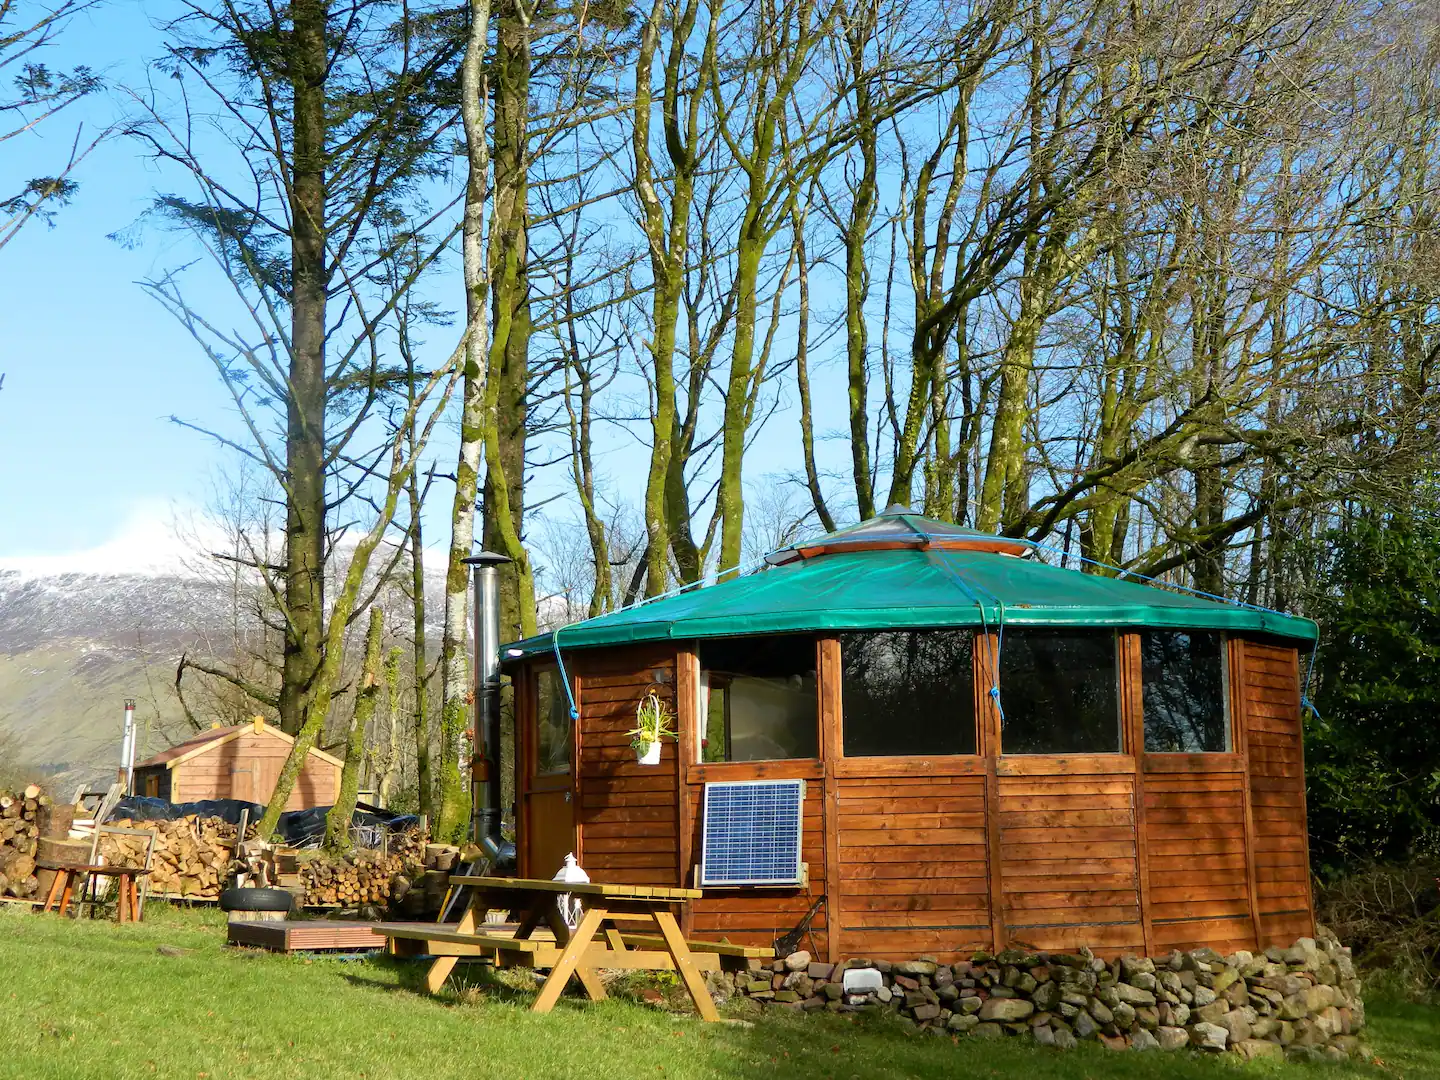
[(91, 999)]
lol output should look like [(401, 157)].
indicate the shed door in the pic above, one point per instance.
[(548, 824), (245, 783)]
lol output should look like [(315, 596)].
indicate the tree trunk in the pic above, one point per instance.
[(456, 692), (667, 232), (802, 381), (419, 662), (389, 770), (337, 821), (506, 390), (401, 465), (307, 391), (858, 33)]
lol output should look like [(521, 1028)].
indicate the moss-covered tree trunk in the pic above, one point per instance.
[(401, 465), (307, 396), (419, 662), (337, 821), (454, 663), (667, 232), (506, 388), (858, 31)]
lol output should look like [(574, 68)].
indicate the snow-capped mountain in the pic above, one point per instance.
[(74, 646), (81, 634)]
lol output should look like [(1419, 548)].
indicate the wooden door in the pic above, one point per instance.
[(548, 821), (245, 784)]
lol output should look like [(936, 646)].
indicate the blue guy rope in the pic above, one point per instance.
[(564, 678), (737, 571), (959, 579), (1305, 702)]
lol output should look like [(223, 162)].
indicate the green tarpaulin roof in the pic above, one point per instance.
[(916, 586)]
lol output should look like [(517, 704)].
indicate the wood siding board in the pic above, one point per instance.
[(629, 818), (1304, 811), (687, 720), (831, 748), (1275, 794), (987, 712), (1132, 703)]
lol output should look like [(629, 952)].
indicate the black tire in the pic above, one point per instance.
[(256, 900)]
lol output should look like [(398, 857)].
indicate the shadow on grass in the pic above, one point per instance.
[(468, 984)]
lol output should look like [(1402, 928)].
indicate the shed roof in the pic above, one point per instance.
[(215, 737), (901, 570)]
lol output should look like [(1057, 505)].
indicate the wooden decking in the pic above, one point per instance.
[(308, 935)]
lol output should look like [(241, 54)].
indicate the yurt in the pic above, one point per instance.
[(908, 738)]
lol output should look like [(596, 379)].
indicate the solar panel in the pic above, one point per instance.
[(752, 833)]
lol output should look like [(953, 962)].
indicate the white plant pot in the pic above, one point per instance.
[(648, 753)]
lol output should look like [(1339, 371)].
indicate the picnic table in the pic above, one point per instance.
[(603, 938)]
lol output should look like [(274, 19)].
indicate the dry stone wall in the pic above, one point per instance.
[(1300, 1002)]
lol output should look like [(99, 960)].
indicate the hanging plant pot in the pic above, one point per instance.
[(652, 724)]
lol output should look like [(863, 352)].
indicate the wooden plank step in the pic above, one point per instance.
[(719, 948), (432, 932)]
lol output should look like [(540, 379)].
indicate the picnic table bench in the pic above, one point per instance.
[(604, 937)]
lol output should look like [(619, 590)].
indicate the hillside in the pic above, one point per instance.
[(74, 646)]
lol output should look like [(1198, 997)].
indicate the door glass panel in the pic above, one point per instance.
[(553, 731)]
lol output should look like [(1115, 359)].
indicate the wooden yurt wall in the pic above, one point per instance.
[(1198, 869), (1124, 852), (1275, 753), (911, 845), (627, 816), (754, 916)]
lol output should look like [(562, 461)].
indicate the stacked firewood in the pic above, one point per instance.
[(191, 857), (363, 877), (19, 834)]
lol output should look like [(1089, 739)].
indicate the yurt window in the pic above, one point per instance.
[(758, 699), (1184, 690), (908, 692), (552, 724), (1059, 692)]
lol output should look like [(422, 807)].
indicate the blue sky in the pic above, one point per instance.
[(94, 369)]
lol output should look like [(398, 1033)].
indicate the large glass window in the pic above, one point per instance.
[(553, 730), (1183, 687), (908, 692), (1058, 690), (758, 699)]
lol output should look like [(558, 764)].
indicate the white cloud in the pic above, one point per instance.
[(144, 543)]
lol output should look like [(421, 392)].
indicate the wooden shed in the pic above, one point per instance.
[(238, 762), (994, 751)]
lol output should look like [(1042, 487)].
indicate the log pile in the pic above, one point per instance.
[(365, 877), (19, 835), (191, 858), (383, 879)]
